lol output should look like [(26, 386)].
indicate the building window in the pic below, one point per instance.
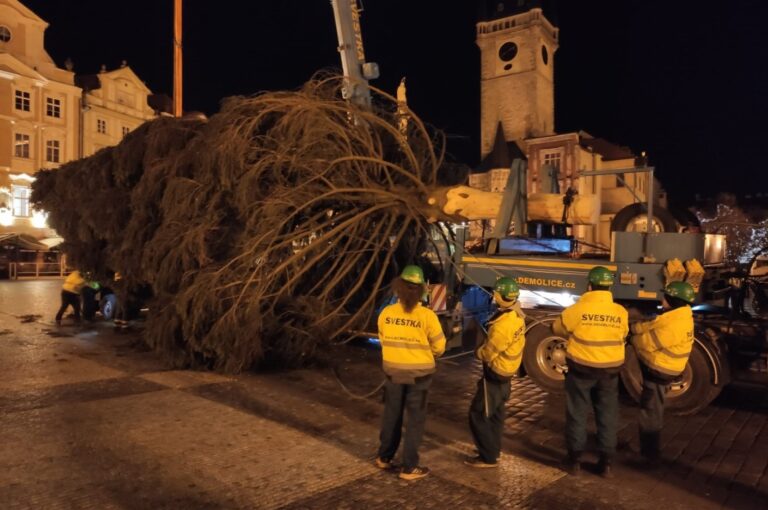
[(5, 34), (52, 151), (620, 180), (126, 130), (101, 126), (53, 107), (21, 196), (22, 100), (553, 159), (21, 145)]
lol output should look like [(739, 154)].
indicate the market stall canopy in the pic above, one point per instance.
[(52, 242), (23, 241)]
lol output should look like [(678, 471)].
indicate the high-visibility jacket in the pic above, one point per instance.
[(409, 341), (74, 282), (596, 328), (503, 350), (664, 344)]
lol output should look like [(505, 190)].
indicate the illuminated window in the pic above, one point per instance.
[(5, 34), (101, 126), (21, 145), (53, 107), (22, 100), (52, 151), (553, 159), (21, 195)]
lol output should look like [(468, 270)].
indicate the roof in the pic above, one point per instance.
[(608, 150), (502, 154), (24, 241)]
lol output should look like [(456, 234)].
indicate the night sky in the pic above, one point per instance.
[(684, 82)]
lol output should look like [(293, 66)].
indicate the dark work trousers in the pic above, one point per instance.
[(67, 299), (651, 416), (487, 428), (399, 400), (601, 394)]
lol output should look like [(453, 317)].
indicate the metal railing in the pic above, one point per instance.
[(18, 270)]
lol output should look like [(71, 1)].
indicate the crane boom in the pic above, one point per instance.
[(356, 70)]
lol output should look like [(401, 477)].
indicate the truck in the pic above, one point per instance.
[(550, 265), (731, 324)]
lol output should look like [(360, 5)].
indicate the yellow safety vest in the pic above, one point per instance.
[(596, 328), (409, 341), (503, 351), (664, 344), (74, 283)]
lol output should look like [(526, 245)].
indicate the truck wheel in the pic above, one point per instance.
[(544, 358), (108, 305), (692, 394), (627, 219)]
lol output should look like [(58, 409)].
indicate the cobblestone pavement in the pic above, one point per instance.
[(89, 419)]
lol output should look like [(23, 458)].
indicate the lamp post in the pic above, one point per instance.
[(177, 67)]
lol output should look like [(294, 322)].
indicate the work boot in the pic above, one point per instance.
[(414, 473), (478, 462), (604, 467), (572, 464)]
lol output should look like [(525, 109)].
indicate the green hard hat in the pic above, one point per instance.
[(507, 288), (413, 274), (681, 290), (601, 276)]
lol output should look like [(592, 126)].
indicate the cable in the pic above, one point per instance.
[(355, 395)]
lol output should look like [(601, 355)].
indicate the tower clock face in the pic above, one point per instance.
[(508, 51)]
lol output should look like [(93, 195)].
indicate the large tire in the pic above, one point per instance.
[(695, 392), (544, 357), (625, 218)]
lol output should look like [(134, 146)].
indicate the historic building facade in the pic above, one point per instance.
[(517, 47), (49, 116)]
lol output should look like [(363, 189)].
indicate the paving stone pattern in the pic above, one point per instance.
[(89, 420)]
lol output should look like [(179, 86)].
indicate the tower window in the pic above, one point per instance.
[(101, 126), (5, 34), (553, 159), (544, 55)]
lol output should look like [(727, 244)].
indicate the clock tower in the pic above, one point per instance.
[(517, 45)]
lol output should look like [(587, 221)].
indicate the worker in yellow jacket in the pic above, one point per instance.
[(411, 338), (663, 346), (501, 355), (595, 328), (70, 295)]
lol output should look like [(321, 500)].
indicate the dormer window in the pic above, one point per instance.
[(5, 33)]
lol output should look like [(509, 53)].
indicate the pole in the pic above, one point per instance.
[(177, 60)]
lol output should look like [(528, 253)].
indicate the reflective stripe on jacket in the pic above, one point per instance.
[(503, 350), (74, 282), (664, 344), (409, 341), (596, 328)]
